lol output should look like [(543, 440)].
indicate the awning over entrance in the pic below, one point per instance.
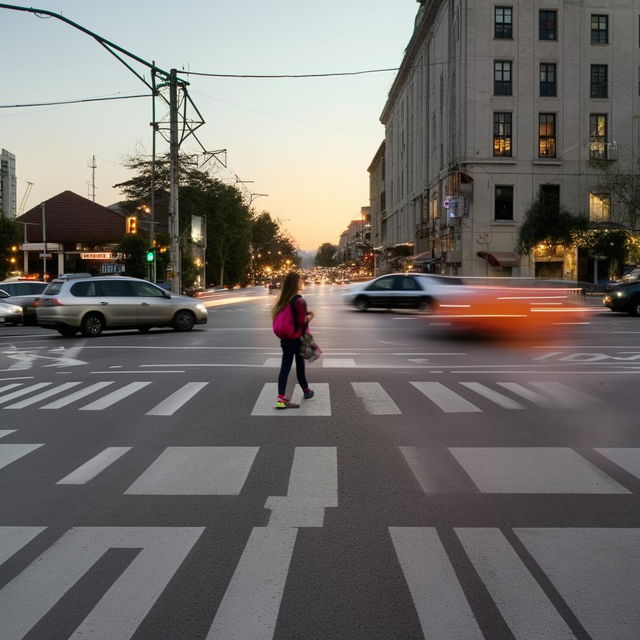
[(500, 258), (423, 258)]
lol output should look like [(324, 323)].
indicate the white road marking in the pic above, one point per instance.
[(41, 396), (176, 400), (12, 539), (90, 469), (447, 400), (376, 400), (114, 396), (533, 470), (23, 392), (250, 606), (628, 458), (77, 395), (319, 405), (203, 471), (30, 595), (521, 601), (338, 363), (10, 386), (11, 452), (272, 362), (499, 398), (563, 395), (440, 603), (528, 394), (6, 432)]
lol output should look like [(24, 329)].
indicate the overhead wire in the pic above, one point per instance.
[(79, 100), (287, 75)]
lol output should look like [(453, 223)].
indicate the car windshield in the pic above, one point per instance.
[(53, 288)]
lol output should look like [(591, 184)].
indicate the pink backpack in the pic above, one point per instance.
[(284, 324)]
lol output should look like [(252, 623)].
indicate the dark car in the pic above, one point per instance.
[(22, 293), (624, 298)]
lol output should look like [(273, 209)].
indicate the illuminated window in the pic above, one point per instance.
[(598, 136), (599, 207), (502, 133), (547, 135)]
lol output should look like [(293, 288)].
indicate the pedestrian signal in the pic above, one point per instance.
[(151, 256)]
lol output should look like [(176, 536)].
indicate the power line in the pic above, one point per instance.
[(299, 75), (48, 104)]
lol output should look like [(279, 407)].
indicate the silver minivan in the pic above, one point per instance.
[(91, 305)]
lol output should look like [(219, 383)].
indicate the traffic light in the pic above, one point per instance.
[(151, 255), (132, 224)]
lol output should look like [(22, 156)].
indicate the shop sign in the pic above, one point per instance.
[(101, 255)]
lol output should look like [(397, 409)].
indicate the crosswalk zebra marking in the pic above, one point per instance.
[(117, 615), (6, 387), (77, 395), (563, 395), (43, 395), (181, 471), (338, 363), (272, 362), (114, 396), (12, 539), (528, 394), (523, 604), (6, 432), (176, 400), (376, 400), (93, 467), (437, 471), (499, 398), (11, 452), (319, 405), (23, 392), (628, 458), (446, 399), (442, 607)]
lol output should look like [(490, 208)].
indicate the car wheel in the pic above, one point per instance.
[(67, 332), (634, 307), (361, 303), (92, 325), (144, 329), (424, 304), (184, 321)]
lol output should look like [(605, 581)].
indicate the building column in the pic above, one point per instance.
[(60, 262), (25, 262)]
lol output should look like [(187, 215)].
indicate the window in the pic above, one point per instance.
[(598, 136), (548, 22), (409, 284), (146, 290), (503, 25), (383, 284), (599, 84), (550, 197), (116, 288), (83, 289), (599, 29), (502, 134), (502, 78), (504, 203), (599, 207), (547, 79), (547, 135)]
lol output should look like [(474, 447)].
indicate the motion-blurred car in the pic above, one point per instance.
[(624, 298), (91, 305), (22, 292), (10, 314), (403, 290)]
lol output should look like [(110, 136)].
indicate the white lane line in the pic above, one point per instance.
[(376, 400), (442, 608), (447, 400), (319, 405), (11, 452), (563, 395), (535, 470), (12, 539), (117, 615), (176, 400), (114, 396), (77, 395), (528, 394), (521, 601), (338, 363), (10, 386), (6, 432), (90, 469), (191, 471), (272, 362), (146, 371), (250, 606), (41, 396), (628, 458), (499, 398), (23, 392)]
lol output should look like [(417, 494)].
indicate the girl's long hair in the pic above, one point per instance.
[(290, 286)]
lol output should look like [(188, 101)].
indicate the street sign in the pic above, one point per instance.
[(45, 255), (112, 267)]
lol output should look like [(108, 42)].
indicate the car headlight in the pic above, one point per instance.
[(15, 309), (619, 294), (201, 307)]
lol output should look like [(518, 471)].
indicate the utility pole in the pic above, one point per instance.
[(44, 244), (92, 166), (176, 267), (152, 226)]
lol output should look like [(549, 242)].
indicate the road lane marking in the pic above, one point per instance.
[(11, 452), (176, 400), (90, 469), (319, 405), (563, 395), (190, 471), (338, 363), (114, 396), (446, 399), (528, 394), (437, 471), (628, 458), (6, 432), (523, 604), (41, 396), (499, 398), (12, 539), (77, 395), (442, 608), (376, 400), (23, 392)]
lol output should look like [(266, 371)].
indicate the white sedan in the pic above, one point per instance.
[(10, 313)]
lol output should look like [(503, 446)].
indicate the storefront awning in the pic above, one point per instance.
[(500, 258)]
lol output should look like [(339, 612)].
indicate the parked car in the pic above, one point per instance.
[(624, 298), (91, 305), (402, 290), (22, 293), (10, 314)]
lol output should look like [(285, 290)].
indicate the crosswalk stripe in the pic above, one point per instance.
[(250, 605), (6, 432), (521, 601), (376, 400), (23, 392), (563, 395), (77, 395), (338, 363), (628, 458), (176, 400), (11, 452), (499, 398), (95, 466), (114, 396), (528, 394), (10, 386), (442, 608), (41, 396), (437, 471), (319, 405), (12, 539), (449, 401)]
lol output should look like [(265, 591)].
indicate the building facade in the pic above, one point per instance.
[(494, 105), (8, 185)]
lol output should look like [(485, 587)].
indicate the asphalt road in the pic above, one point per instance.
[(436, 487)]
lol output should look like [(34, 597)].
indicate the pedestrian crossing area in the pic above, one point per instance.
[(370, 397)]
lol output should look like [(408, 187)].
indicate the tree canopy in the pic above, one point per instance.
[(10, 234), (326, 255)]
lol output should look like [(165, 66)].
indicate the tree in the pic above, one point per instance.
[(134, 247), (273, 251), (9, 241), (326, 255), (625, 192)]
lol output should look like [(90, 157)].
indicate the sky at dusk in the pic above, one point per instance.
[(306, 143)]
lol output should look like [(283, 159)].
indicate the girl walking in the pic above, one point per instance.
[(290, 295)]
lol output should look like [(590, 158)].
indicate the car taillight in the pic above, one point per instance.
[(36, 302)]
